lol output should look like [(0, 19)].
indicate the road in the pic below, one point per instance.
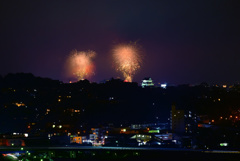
[(111, 148)]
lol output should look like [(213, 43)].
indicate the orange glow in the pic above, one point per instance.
[(22, 143), (212, 120), (19, 104)]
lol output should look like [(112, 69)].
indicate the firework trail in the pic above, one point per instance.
[(80, 64), (127, 59)]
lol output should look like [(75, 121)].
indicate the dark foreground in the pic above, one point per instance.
[(115, 153)]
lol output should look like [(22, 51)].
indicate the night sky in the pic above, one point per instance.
[(182, 41)]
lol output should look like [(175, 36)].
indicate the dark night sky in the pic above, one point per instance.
[(183, 41)]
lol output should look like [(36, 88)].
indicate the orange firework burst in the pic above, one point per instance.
[(80, 64), (127, 59)]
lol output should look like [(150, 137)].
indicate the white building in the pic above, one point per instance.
[(147, 82)]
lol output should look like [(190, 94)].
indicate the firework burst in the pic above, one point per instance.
[(127, 59), (80, 64)]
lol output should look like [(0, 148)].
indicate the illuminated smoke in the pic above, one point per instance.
[(127, 59), (80, 65)]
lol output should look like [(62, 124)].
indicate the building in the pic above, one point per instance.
[(77, 139), (147, 82), (182, 121), (177, 123), (164, 85)]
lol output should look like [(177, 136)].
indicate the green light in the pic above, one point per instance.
[(21, 148), (12, 144), (29, 153), (154, 131), (223, 144)]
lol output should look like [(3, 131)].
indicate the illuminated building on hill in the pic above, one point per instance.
[(147, 82)]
